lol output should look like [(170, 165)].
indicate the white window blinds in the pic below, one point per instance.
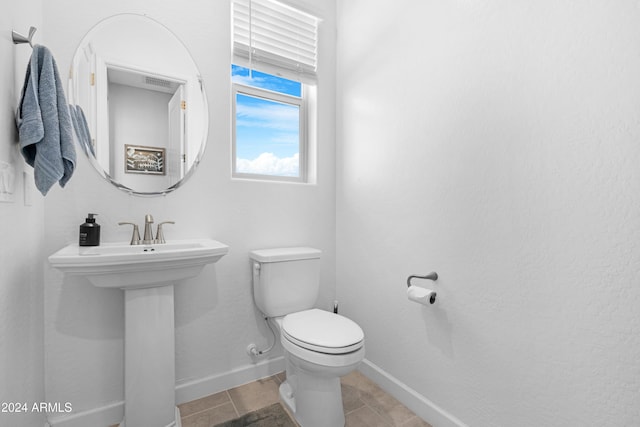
[(273, 37)]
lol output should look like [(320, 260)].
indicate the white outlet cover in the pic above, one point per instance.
[(7, 182)]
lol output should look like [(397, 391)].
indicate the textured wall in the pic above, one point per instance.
[(215, 314), (495, 142), (21, 237)]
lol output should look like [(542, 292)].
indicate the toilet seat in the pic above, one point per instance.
[(322, 331)]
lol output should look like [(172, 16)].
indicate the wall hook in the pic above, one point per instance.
[(19, 38)]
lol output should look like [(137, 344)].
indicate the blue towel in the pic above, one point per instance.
[(81, 129), (44, 123)]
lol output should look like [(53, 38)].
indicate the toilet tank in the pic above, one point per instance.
[(285, 280)]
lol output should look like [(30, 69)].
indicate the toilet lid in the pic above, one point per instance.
[(322, 331)]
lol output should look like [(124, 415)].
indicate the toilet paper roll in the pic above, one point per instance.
[(421, 295)]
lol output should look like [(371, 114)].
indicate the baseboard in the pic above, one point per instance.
[(185, 392), (195, 389), (420, 405), (103, 416)]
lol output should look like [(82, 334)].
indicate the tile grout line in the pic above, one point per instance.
[(375, 412), (232, 403), (208, 408), (411, 419)]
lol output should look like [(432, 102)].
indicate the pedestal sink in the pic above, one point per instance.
[(147, 274)]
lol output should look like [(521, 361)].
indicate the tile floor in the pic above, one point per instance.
[(365, 404)]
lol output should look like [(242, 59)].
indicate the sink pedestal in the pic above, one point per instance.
[(147, 274), (149, 358)]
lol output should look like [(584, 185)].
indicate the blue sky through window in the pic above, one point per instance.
[(267, 131), (265, 81)]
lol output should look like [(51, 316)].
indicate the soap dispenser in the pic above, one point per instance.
[(90, 232)]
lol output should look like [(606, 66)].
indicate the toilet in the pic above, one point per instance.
[(320, 346)]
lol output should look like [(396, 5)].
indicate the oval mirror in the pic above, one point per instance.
[(138, 104)]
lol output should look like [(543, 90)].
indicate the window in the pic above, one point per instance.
[(274, 70), (269, 130)]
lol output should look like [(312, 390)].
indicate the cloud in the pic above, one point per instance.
[(270, 164), (248, 81), (270, 82), (268, 114)]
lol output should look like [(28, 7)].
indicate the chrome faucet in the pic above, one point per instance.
[(147, 239)]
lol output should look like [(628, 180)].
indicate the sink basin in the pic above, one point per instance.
[(119, 265)]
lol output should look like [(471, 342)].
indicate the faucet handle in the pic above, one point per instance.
[(135, 237), (160, 234)]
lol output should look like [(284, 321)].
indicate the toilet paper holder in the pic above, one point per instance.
[(431, 276)]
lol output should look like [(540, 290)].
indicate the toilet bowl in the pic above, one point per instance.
[(319, 346)]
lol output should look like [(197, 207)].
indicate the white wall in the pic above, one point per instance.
[(21, 228), (496, 143), (215, 314)]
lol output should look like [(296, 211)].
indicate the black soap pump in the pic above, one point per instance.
[(90, 232)]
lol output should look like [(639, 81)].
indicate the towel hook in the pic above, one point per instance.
[(19, 38), (431, 276)]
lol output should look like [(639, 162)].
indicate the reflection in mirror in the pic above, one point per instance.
[(140, 108)]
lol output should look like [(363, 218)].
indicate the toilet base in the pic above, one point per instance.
[(313, 394), (315, 408)]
